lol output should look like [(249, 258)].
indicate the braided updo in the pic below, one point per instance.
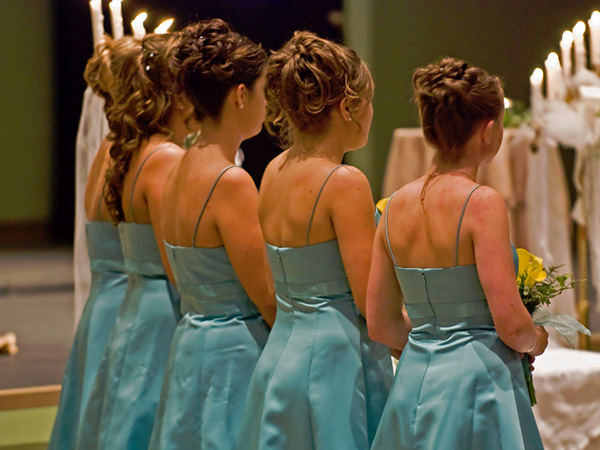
[(305, 79), (453, 97), (210, 60)]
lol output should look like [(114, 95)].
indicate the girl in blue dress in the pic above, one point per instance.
[(320, 382), (147, 120), (109, 280), (443, 250), (214, 244)]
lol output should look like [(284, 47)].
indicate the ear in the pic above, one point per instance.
[(486, 131), (344, 109), (241, 95)]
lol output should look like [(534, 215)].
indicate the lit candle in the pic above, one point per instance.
[(594, 23), (566, 46), (164, 26), (555, 87), (535, 81), (580, 53), (137, 25), (97, 20), (116, 18)]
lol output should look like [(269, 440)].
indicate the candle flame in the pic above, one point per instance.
[(164, 26), (140, 17), (507, 103), (595, 19), (579, 29), (567, 38), (537, 76), (552, 60)]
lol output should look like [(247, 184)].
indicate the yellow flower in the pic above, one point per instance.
[(531, 268), (381, 204)]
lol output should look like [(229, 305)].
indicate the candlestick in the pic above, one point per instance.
[(116, 17), (580, 53), (594, 24), (566, 46), (537, 97), (97, 20), (137, 25), (555, 87), (164, 26)]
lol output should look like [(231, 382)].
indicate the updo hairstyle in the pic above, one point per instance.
[(143, 105), (97, 73), (210, 60), (307, 77), (453, 97)]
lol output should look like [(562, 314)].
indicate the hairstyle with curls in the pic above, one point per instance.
[(97, 73), (210, 60), (143, 105), (305, 79), (453, 97)]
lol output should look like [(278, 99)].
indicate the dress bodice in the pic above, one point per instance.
[(207, 282), (140, 250), (104, 247), (313, 271)]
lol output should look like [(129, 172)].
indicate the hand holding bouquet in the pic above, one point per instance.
[(537, 286)]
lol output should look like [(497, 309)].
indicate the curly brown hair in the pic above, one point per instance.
[(210, 60), (97, 73), (305, 79), (143, 104), (453, 97)]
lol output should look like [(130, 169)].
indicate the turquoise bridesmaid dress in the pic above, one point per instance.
[(457, 385), (213, 353), (108, 286), (122, 406), (320, 382)]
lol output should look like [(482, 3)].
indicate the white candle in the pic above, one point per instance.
[(137, 25), (97, 20), (580, 53), (555, 87), (116, 17), (594, 24), (566, 46), (164, 26), (537, 97)]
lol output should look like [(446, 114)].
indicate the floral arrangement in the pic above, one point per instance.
[(537, 286)]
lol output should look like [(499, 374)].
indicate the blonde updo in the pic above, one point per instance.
[(306, 78), (453, 97)]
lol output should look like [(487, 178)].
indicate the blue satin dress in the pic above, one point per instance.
[(213, 353), (457, 385), (122, 406), (320, 383), (108, 286)]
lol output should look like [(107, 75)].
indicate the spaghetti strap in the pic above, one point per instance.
[(206, 201), (387, 236), (138, 174), (460, 221), (317, 201)]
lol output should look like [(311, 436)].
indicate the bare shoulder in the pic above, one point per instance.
[(236, 180), (347, 178), (486, 201)]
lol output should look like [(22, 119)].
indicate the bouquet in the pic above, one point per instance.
[(537, 286)]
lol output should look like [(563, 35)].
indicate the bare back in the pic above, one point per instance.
[(95, 207), (294, 191), (423, 232)]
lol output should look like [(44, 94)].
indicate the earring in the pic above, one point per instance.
[(241, 106)]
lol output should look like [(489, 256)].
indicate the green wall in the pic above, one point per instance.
[(509, 38), (26, 74)]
